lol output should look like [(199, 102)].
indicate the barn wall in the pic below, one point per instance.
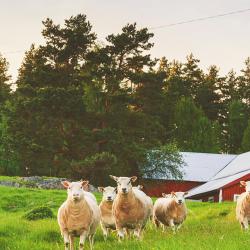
[(205, 197), (157, 187), (233, 188)]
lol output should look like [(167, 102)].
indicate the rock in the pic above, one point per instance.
[(32, 178), (39, 182)]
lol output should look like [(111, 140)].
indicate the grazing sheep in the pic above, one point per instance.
[(131, 207), (170, 210), (243, 206), (107, 218), (79, 215)]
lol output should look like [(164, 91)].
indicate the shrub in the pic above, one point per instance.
[(39, 213)]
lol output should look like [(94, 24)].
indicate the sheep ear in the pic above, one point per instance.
[(65, 184), (84, 183), (133, 178), (101, 189), (243, 183), (113, 177), (173, 193), (186, 193)]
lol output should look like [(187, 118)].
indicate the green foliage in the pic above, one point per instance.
[(39, 213), (82, 107), (236, 125), (194, 131), (4, 81), (246, 139), (165, 161)]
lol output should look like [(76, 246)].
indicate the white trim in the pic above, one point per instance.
[(220, 196), (236, 196)]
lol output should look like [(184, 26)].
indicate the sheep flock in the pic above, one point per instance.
[(126, 209)]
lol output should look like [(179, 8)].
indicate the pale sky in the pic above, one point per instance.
[(224, 41)]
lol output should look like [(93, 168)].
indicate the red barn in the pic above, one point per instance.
[(225, 185), (198, 169)]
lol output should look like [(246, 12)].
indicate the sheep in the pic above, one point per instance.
[(79, 215), (170, 210), (243, 206), (107, 218), (140, 187), (131, 207)]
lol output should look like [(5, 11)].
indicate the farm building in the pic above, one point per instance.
[(225, 185), (198, 168)]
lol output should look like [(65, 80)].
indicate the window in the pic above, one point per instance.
[(236, 196), (210, 199)]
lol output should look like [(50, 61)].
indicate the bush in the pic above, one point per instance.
[(39, 213)]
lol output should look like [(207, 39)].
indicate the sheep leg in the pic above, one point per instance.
[(71, 240), (120, 232), (91, 241), (172, 225), (104, 231), (66, 240), (137, 233), (178, 227), (83, 237), (245, 224), (127, 231), (156, 222), (164, 228)]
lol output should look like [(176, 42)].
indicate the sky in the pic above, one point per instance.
[(223, 41)]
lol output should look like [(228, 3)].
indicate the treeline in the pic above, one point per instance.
[(87, 108)]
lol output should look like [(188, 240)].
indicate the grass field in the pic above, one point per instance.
[(209, 226)]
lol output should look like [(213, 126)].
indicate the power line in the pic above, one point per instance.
[(199, 19), (171, 24)]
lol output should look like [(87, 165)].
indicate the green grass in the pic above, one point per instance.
[(208, 226)]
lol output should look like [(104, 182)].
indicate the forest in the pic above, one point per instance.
[(81, 107)]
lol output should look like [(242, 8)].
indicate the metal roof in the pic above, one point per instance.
[(200, 167), (237, 168)]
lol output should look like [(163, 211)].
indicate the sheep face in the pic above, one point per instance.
[(109, 193), (75, 190), (124, 184), (179, 197), (246, 184)]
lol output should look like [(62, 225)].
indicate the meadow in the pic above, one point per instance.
[(208, 226)]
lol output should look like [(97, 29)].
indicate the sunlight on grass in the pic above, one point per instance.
[(208, 226)]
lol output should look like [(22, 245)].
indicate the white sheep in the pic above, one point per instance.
[(107, 217), (243, 206), (170, 210), (79, 215), (131, 207)]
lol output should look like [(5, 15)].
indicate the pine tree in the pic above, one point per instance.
[(194, 131), (4, 80), (245, 145), (207, 96), (236, 125)]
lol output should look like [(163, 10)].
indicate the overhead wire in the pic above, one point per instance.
[(171, 24), (199, 19)]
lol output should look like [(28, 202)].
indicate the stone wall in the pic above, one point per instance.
[(38, 182)]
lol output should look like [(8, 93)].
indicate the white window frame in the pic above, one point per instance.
[(210, 199), (236, 196)]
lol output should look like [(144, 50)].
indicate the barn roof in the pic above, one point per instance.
[(200, 166), (237, 168)]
